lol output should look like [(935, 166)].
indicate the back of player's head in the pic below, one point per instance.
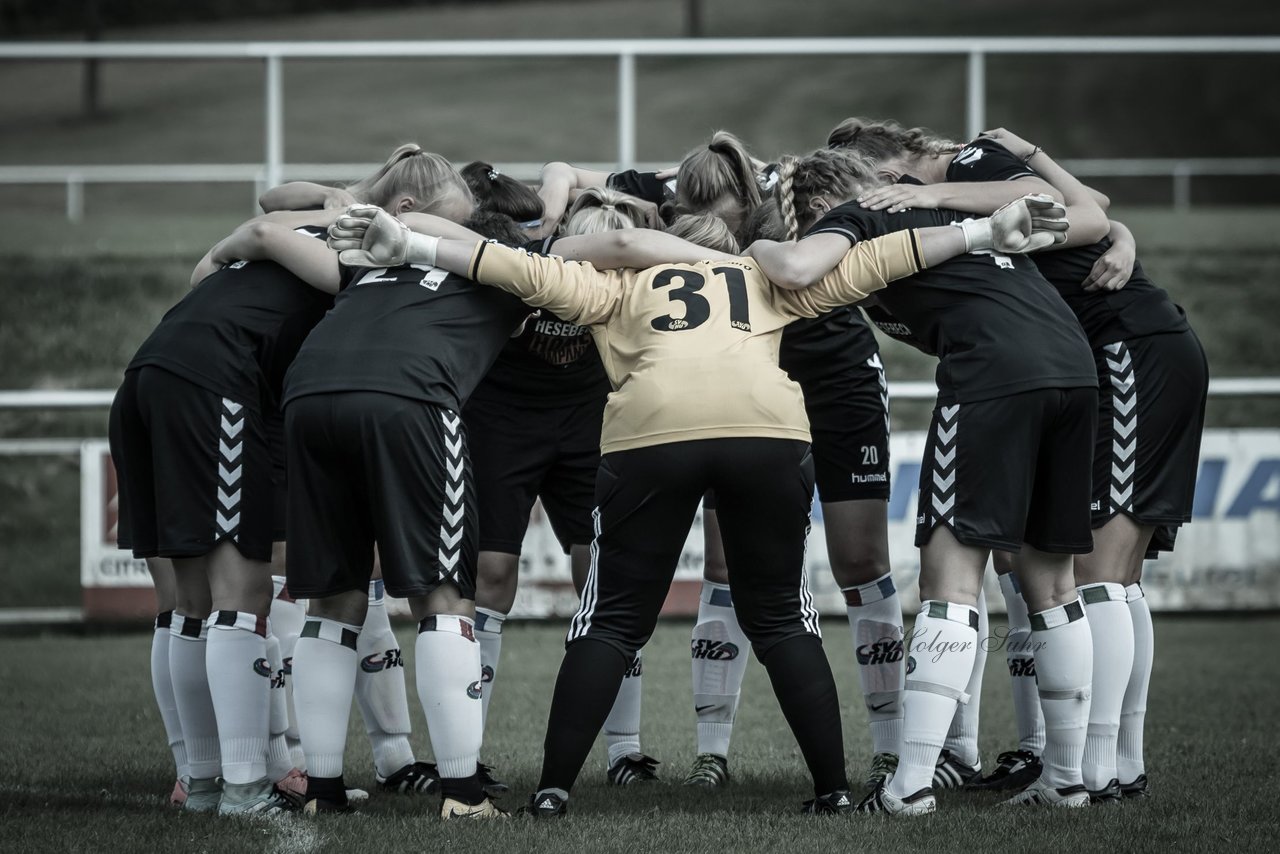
[(705, 229), (497, 226), (425, 182), (765, 223), (886, 139), (494, 191), (838, 174), (597, 209), (718, 178)]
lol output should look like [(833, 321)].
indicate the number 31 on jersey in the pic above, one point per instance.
[(697, 309)]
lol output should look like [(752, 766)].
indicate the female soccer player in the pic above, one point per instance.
[(1003, 463), (699, 403)]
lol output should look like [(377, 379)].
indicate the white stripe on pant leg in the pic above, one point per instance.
[(582, 619), (453, 511), (1124, 425), (231, 419), (808, 614)]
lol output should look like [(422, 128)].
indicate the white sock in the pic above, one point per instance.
[(1111, 628), (622, 727), (962, 736), (324, 682), (1133, 714), (875, 618), (240, 685), (719, 652), (1064, 668), (380, 691), (1022, 668), (162, 685), (287, 617), (187, 645), (447, 663), (941, 647), (489, 636), (279, 757)]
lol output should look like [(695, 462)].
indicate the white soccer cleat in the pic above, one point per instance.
[(1041, 793), (452, 809), (881, 801)]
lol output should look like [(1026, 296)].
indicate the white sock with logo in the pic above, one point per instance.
[(324, 682), (940, 652), (162, 686), (489, 636), (286, 619), (187, 644), (875, 619), (1111, 627), (240, 685), (380, 689), (447, 663), (719, 652), (1022, 668), (1064, 669), (622, 727), (279, 757), (962, 737), (1133, 714)]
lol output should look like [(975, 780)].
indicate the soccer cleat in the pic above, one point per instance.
[(839, 802), (1108, 795), (1137, 789), (951, 773), (294, 787), (545, 805), (320, 806), (881, 801), (491, 785), (179, 795), (412, 779), (709, 772), (203, 794), (451, 809), (633, 768), (1015, 769), (260, 799), (1041, 793), (882, 767)]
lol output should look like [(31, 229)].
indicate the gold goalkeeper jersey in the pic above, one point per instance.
[(692, 349)]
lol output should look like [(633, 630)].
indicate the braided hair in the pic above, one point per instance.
[(837, 173)]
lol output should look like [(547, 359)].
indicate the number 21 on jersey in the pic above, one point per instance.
[(697, 309)]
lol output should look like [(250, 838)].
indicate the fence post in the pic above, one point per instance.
[(976, 100), (274, 162), (75, 197), (626, 110), (1182, 187)]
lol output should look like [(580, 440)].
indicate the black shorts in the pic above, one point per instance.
[(366, 468), (520, 453), (646, 501), (1150, 418), (849, 421), (279, 479), (1011, 470), (193, 467)]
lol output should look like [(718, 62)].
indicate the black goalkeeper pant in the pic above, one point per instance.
[(646, 500)]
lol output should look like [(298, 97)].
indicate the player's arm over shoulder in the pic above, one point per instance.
[(571, 290)]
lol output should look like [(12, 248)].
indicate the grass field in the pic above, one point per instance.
[(84, 766)]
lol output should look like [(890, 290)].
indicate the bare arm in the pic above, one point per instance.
[(297, 195), (559, 180), (286, 219), (438, 226), (306, 257), (980, 197), (1113, 268), (800, 264)]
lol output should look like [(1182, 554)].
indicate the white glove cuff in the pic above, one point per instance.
[(977, 234), (421, 249)]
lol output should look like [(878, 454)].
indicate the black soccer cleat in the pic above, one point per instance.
[(1108, 795), (545, 805), (839, 802), (493, 787), (1015, 769), (951, 773), (709, 772), (1139, 788), (633, 768), (412, 779)]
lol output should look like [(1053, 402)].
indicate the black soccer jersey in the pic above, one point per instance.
[(1139, 308), (997, 326), (892, 326), (414, 331), (815, 347), (237, 331), (642, 185)]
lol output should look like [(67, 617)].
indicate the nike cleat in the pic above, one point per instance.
[(325, 806), (493, 787), (709, 772), (1015, 769), (1041, 793), (633, 768), (412, 779), (454, 809), (545, 805), (260, 799), (839, 802), (1108, 795), (203, 794), (951, 773), (922, 802), (882, 767), (1137, 789)]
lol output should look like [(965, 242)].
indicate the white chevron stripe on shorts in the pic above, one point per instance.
[(453, 511), (226, 514), (942, 482), (874, 362), (1124, 425)]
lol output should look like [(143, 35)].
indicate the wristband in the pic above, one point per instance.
[(977, 234), (421, 249)]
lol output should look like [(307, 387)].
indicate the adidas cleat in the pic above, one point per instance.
[(839, 802), (951, 773), (491, 785), (453, 809), (1137, 789), (260, 799), (1108, 795), (882, 767), (709, 772), (178, 796), (203, 794), (545, 805), (1041, 793), (633, 768), (412, 779), (881, 801), (1015, 769)]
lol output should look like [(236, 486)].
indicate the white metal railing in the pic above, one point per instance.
[(626, 51)]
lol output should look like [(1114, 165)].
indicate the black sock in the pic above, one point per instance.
[(806, 692), (585, 690), (464, 789), (326, 789)]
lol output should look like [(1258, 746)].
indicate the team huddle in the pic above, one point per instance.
[(367, 388)]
